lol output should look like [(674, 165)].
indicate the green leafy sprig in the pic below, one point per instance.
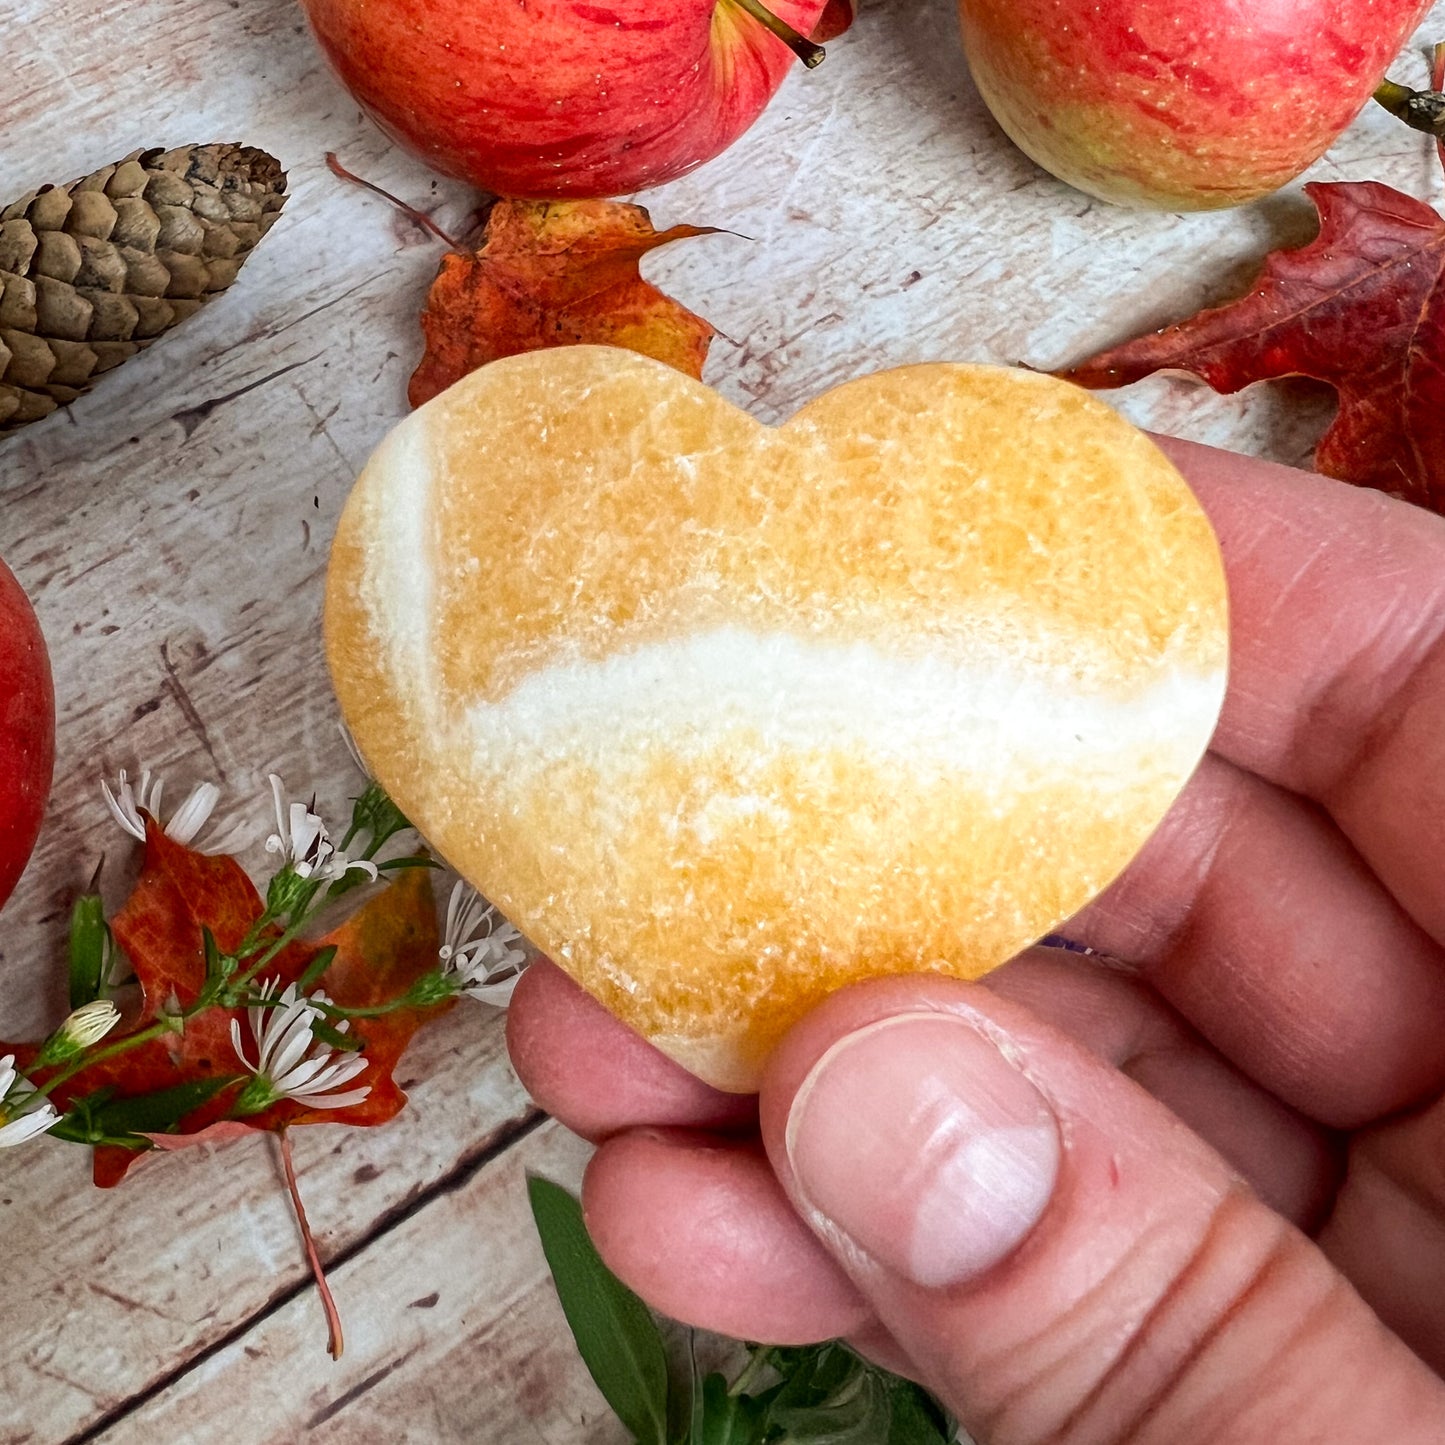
[(312, 872), (806, 1395)]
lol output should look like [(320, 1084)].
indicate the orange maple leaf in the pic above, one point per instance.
[(555, 273)]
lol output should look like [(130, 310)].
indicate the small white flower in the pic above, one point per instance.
[(17, 1122), (185, 826), (85, 1026), (303, 842), (90, 1023), (485, 965), (289, 1060)]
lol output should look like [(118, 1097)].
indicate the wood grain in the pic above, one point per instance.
[(172, 528), (435, 1309)]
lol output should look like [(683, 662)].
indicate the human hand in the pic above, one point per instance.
[(988, 1186)]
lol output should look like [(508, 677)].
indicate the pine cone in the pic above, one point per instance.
[(92, 272)]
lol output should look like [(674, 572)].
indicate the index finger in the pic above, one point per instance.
[(1337, 672)]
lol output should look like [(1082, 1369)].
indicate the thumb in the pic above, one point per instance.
[(1060, 1258)]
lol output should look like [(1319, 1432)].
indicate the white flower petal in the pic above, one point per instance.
[(194, 813), (319, 1080), (498, 994), (339, 865), (278, 796), (123, 807), (291, 1059), (335, 1101), (288, 1038), (127, 803), (299, 1075), (465, 910), (301, 838), (7, 1074), (236, 1043), (27, 1126), (257, 1015)]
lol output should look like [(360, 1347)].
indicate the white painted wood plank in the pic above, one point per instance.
[(110, 1291), (453, 1333)]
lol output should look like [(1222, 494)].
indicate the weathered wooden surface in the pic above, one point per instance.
[(434, 1318), (173, 528)]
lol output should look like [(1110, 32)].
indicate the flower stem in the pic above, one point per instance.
[(120, 1046), (425, 992), (335, 1343), (277, 944), (808, 51), (376, 1011)]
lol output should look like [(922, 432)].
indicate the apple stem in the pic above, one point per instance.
[(1420, 109), (410, 212), (808, 51)]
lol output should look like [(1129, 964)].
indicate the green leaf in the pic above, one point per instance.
[(329, 1034), (829, 1396), (88, 937), (316, 968), (916, 1419), (99, 1118), (218, 965), (722, 1418), (616, 1335), (812, 1375)]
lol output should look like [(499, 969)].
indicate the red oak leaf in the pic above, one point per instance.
[(384, 947), (555, 273), (1361, 307)]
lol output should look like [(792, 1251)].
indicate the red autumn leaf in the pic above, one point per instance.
[(555, 273), (385, 946), (381, 950), (1361, 307), (178, 893)]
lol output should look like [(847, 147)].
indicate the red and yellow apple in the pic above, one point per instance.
[(1189, 105), (27, 729), (552, 98)]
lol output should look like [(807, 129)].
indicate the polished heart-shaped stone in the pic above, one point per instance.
[(725, 716)]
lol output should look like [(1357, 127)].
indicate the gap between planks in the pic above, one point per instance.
[(454, 1180)]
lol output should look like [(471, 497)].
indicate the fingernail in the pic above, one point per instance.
[(919, 1142)]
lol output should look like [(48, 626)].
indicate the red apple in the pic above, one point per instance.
[(1185, 105), (550, 98), (27, 729)]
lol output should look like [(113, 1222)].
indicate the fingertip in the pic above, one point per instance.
[(700, 1229), (596, 1075)]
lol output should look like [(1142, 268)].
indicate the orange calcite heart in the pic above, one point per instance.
[(724, 716)]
